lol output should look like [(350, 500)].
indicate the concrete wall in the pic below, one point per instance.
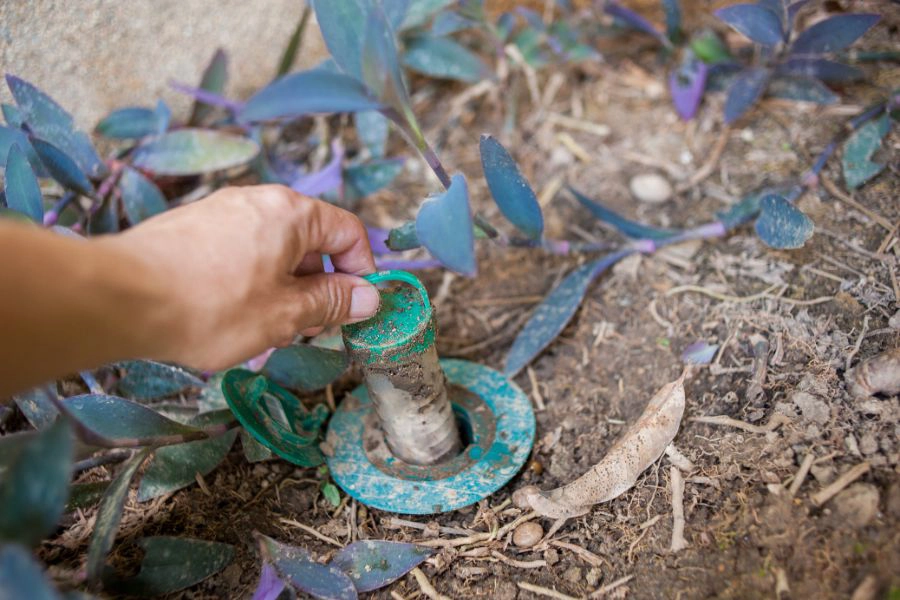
[(96, 55)]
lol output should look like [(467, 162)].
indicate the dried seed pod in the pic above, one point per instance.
[(877, 375), (639, 448)]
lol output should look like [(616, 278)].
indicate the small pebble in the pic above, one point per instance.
[(650, 188), (528, 534)]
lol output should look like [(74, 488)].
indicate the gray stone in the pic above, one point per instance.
[(858, 504), (812, 408), (650, 188)]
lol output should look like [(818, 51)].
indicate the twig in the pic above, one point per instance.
[(519, 564), (710, 165), (859, 340), (801, 474), (718, 296), (535, 390), (678, 541), (644, 527), (782, 588), (113, 457), (611, 586), (312, 532), (519, 520), (851, 475), (835, 191), (597, 129), (776, 421), (426, 586), (542, 591), (588, 556), (397, 523), (678, 459), (461, 541)]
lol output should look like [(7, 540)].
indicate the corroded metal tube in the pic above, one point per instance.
[(405, 381)]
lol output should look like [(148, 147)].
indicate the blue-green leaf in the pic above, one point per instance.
[(343, 24), (856, 162), (86, 495), (109, 515), (23, 194), (213, 80), (254, 452), (129, 123), (449, 22), (746, 88), (171, 564), (403, 237), (372, 129), (625, 226), (510, 189), (35, 484), (444, 227), (781, 225), (120, 421), (21, 576), (381, 65), (443, 58), (420, 11), (140, 196), (12, 115), (833, 34), (754, 21), (801, 89), (305, 367), (317, 91), (150, 380), (554, 312), (175, 467), (373, 564), (193, 151), (49, 121), (62, 167), (10, 136), (370, 177), (298, 568), (672, 8), (38, 406)]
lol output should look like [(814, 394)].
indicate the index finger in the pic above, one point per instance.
[(328, 229)]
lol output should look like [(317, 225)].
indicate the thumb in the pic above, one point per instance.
[(333, 299)]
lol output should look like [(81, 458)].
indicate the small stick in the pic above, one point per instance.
[(312, 532), (782, 588), (710, 165), (610, 587), (112, 457), (678, 541), (830, 491), (588, 556), (801, 474), (542, 591), (462, 541), (426, 586), (574, 147), (397, 523), (773, 424), (519, 564), (396, 596), (596, 129), (678, 459), (510, 526), (859, 340), (835, 191), (535, 390), (329, 397)]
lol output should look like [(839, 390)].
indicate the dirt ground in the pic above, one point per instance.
[(824, 307)]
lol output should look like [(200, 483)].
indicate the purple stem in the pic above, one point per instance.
[(707, 231), (207, 97), (406, 265), (52, 216)]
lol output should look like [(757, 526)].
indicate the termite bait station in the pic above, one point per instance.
[(422, 435)]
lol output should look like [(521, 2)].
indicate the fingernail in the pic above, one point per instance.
[(364, 302)]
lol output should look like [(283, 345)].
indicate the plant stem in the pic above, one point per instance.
[(51, 217)]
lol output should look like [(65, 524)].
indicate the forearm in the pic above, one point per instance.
[(69, 304)]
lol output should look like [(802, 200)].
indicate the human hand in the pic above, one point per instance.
[(241, 271)]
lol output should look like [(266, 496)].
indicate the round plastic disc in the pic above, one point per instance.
[(513, 438)]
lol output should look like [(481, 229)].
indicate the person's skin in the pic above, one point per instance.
[(207, 285)]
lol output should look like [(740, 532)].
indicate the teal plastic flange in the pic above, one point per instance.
[(491, 466)]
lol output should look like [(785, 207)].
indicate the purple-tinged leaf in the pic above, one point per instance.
[(781, 225), (444, 227), (129, 123), (298, 569), (754, 21), (38, 406), (62, 167), (119, 421), (820, 68), (23, 194), (833, 34), (110, 514), (510, 190), (35, 483), (213, 81), (305, 367), (389, 264), (206, 97), (777, 8), (372, 128), (171, 564), (443, 58), (747, 87), (193, 151), (49, 121), (624, 226), (699, 353), (793, 8), (366, 179), (163, 116), (151, 380), (140, 196), (21, 576), (269, 586), (450, 22), (10, 136), (325, 180), (635, 21), (554, 312), (801, 89), (308, 93), (373, 564), (856, 161), (381, 65), (687, 84)]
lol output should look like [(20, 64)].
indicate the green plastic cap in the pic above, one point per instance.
[(402, 328)]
